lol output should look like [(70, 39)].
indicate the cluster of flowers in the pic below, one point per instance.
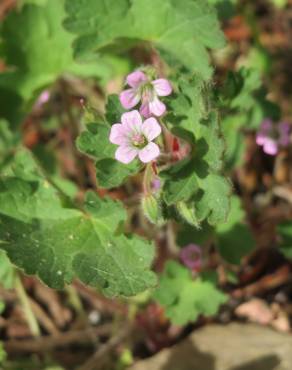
[(271, 137), (135, 137)]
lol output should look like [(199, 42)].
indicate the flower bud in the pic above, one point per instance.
[(187, 212), (151, 209)]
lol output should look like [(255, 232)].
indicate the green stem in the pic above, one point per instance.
[(167, 136), (24, 300), (147, 179), (75, 301)]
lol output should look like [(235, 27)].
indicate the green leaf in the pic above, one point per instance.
[(67, 187), (38, 50), (231, 130), (180, 182), (35, 2), (285, 232), (193, 119), (197, 180), (95, 143), (244, 95), (43, 237), (235, 239), (185, 298), (244, 105), (214, 203), (39, 29), (109, 212), (226, 8), (8, 141), (187, 106), (7, 271), (189, 234), (11, 107), (3, 354), (110, 173), (184, 178), (114, 109), (249, 81), (182, 29)]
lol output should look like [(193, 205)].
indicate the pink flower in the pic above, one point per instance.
[(43, 98), (147, 91), (273, 136), (191, 256), (156, 184), (134, 138)]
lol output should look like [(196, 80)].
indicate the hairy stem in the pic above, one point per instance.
[(147, 179), (24, 300)]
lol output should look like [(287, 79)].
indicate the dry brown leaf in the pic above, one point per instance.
[(255, 310)]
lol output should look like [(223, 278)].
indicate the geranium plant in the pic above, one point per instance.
[(155, 156)]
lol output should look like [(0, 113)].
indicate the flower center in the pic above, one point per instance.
[(194, 256), (138, 140), (147, 91)]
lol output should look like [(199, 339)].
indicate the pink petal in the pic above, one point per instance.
[(284, 127), (150, 152), (162, 87), (151, 128), (125, 154), (145, 110), (44, 97), (129, 98), (260, 138), (270, 147), (156, 184), (284, 140), (136, 78), (132, 122), (157, 107), (266, 127), (117, 134), (284, 130)]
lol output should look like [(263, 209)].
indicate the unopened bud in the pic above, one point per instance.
[(90, 115), (151, 209), (187, 212)]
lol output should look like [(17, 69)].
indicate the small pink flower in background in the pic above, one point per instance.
[(191, 257), (43, 98), (156, 184), (143, 89), (135, 138), (271, 137)]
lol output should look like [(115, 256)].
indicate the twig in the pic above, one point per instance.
[(47, 343), (75, 300), (170, 235), (27, 308), (61, 314), (97, 359), (279, 277), (284, 193), (42, 317), (99, 302), (147, 179)]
